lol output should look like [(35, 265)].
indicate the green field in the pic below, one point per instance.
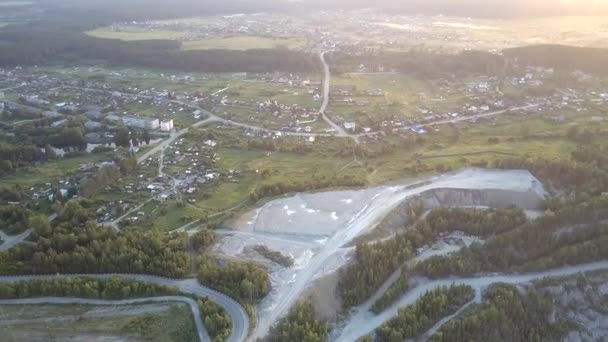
[(11, 3), (227, 42), (135, 34), (171, 324), (243, 43)]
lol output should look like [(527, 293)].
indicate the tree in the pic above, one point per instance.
[(122, 136)]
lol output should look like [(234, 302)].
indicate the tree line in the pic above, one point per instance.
[(281, 188), (505, 315), (562, 57), (216, 320), (244, 281), (415, 320), (300, 324), (76, 244), (375, 262), (547, 242), (14, 219), (45, 41), (107, 175), (112, 289)]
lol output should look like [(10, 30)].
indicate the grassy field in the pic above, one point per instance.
[(243, 43), (12, 3), (169, 215), (227, 42), (134, 34), (52, 171), (173, 324)]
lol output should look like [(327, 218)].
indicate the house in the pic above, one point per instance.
[(58, 123), (350, 125), (95, 114), (141, 122), (166, 125), (92, 125), (210, 143), (418, 130)]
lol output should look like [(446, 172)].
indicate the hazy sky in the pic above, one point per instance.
[(472, 8)]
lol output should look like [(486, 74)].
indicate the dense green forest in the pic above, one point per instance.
[(587, 59), (575, 234), (299, 325), (14, 219), (415, 320), (217, 321), (74, 243), (112, 288), (45, 41), (246, 282), (505, 315), (375, 262), (423, 63), (202, 240)]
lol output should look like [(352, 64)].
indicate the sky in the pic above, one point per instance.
[(467, 8)]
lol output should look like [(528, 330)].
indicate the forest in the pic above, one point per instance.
[(244, 281), (424, 64), (504, 315), (217, 321), (74, 243), (299, 325), (547, 242), (375, 262), (561, 57), (47, 41), (14, 219), (415, 320), (281, 188)]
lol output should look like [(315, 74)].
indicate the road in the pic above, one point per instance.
[(478, 116), (375, 210), (365, 323), (10, 241), (378, 207), (202, 332), (326, 90), (240, 320)]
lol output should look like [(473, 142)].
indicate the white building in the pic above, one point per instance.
[(166, 125), (139, 122), (350, 125)]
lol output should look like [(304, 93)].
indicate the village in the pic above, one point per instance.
[(367, 105)]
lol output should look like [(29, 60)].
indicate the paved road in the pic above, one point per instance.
[(364, 324), (10, 241), (240, 320), (202, 332)]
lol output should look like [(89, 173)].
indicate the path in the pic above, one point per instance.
[(365, 323), (326, 89), (240, 319), (201, 331), (10, 241)]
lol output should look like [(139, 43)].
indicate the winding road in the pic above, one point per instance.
[(240, 320), (326, 88), (366, 322)]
